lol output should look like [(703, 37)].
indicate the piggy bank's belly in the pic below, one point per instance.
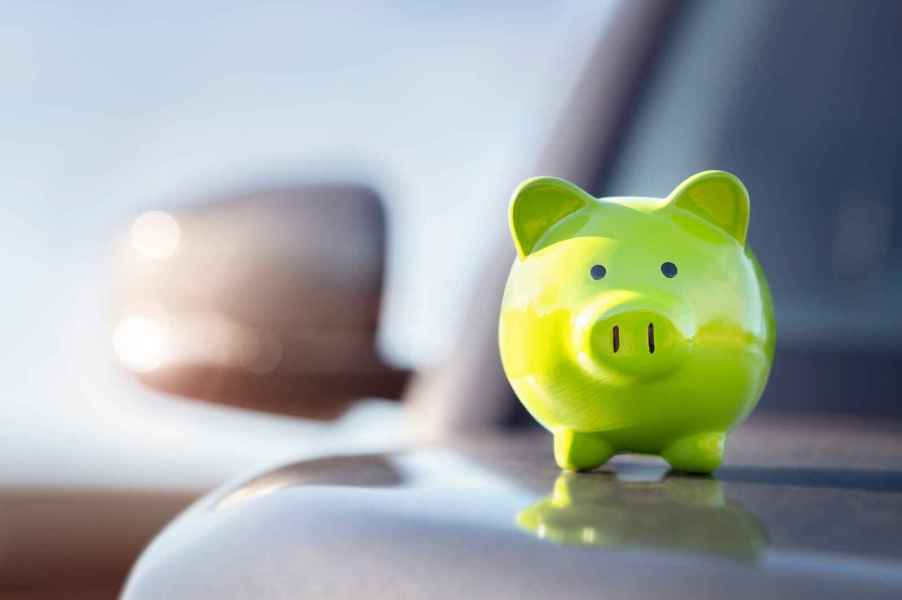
[(717, 385)]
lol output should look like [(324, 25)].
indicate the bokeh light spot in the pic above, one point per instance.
[(155, 234), (140, 343)]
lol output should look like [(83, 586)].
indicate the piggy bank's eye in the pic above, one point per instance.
[(669, 269), (598, 271)]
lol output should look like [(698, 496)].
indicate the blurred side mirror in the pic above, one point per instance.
[(267, 300)]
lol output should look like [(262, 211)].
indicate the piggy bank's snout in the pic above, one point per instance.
[(639, 342)]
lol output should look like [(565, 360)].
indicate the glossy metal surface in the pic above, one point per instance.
[(636, 324), (803, 508)]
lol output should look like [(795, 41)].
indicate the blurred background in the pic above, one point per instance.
[(300, 208), (111, 111)]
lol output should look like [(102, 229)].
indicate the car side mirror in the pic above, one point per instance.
[(267, 300)]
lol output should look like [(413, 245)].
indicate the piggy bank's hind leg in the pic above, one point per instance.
[(699, 453), (577, 451)]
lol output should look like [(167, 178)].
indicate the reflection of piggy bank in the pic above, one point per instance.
[(636, 324), (685, 515)]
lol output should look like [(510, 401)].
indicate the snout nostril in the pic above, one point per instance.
[(651, 338), (616, 338)]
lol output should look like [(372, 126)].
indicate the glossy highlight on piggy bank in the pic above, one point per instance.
[(639, 325)]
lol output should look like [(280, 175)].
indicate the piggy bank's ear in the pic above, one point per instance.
[(718, 197), (539, 203)]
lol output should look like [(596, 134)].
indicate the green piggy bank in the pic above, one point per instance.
[(640, 325)]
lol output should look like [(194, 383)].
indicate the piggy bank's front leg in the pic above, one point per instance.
[(699, 453), (578, 451)]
